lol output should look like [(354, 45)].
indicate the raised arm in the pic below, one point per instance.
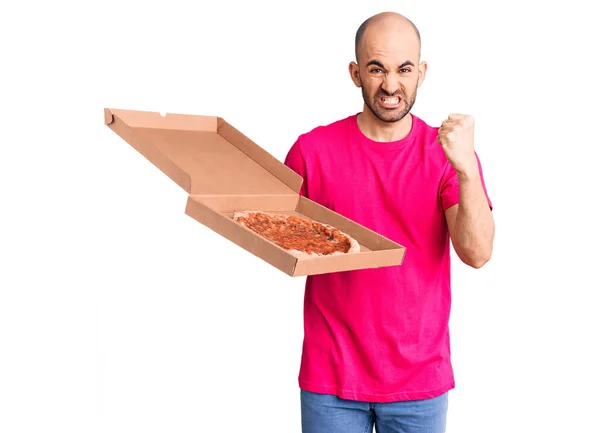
[(470, 222)]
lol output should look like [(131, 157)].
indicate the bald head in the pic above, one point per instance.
[(386, 21), (388, 66)]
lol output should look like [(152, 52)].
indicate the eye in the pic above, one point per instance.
[(405, 70), (375, 71)]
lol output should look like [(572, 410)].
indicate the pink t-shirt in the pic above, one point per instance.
[(382, 334)]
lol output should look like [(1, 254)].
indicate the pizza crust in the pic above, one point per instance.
[(354, 245)]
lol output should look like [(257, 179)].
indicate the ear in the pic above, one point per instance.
[(422, 72), (354, 73)]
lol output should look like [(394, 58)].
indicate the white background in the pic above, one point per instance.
[(119, 313)]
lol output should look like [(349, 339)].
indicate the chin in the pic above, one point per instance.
[(392, 117)]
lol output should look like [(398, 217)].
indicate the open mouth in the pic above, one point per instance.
[(390, 101)]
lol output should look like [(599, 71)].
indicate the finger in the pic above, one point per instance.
[(448, 137), (462, 118), (443, 140), (449, 123)]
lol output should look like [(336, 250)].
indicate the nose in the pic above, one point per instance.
[(390, 84)]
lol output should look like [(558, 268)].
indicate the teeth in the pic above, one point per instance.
[(391, 100)]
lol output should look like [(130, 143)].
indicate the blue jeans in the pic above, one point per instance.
[(322, 413)]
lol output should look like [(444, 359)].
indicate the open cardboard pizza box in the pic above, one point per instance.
[(224, 171)]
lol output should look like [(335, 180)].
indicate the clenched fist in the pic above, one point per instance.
[(456, 135)]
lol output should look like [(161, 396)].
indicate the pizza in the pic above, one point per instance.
[(301, 237)]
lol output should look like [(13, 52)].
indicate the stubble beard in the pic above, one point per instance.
[(390, 116)]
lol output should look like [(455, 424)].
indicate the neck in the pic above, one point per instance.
[(378, 130)]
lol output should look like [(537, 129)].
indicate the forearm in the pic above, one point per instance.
[(474, 224)]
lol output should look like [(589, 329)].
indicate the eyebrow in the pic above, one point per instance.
[(378, 63)]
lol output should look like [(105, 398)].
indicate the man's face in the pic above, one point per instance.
[(388, 91), (388, 73)]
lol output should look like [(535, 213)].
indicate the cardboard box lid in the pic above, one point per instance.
[(223, 170), (203, 154)]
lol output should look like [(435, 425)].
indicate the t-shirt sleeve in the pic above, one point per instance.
[(449, 188), (295, 160)]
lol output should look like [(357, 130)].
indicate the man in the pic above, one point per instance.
[(376, 349)]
